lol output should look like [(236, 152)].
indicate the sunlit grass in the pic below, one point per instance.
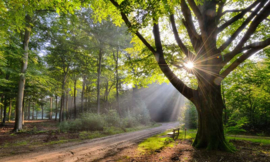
[(156, 142)]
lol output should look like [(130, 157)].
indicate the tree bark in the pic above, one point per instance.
[(1, 115), (28, 112), (56, 108), (209, 104), (75, 107), (42, 111), (51, 100), (5, 111), (23, 109), (117, 80), (67, 111), (33, 110), (9, 111), (98, 81), (19, 105), (61, 117), (82, 97)]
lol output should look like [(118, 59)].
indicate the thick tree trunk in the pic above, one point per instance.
[(75, 107), (51, 102), (209, 104), (98, 81), (19, 105), (224, 101)]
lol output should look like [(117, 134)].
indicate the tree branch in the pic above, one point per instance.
[(177, 38), (241, 28), (127, 22), (238, 62), (176, 82), (237, 17), (259, 45), (195, 9), (194, 36), (219, 12), (252, 28)]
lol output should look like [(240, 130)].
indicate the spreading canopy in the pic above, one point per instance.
[(216, 35)]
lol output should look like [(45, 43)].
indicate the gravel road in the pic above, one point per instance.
[(90, 150)]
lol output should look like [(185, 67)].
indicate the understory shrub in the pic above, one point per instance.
[(109, 121)]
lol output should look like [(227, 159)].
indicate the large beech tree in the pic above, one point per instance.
[(216, 35)]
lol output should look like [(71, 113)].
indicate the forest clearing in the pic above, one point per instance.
[(79, 72)]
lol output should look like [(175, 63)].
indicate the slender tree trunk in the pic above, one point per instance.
[(9, 111), (67, 112), (19, 105), (36, 114), (56, 108), (23, 110), (209, 104), (98, 81), (51, 102), (117, 84), (82, 97), (5, 111), (42, 112), (1, 115), (61, 108), (75, 107), (71, 103), (28, 112), (33, 110), (62, 98), (89, 99)]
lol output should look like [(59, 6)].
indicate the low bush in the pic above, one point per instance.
[(105, 122)]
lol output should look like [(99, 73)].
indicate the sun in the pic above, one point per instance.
[(189, 65)]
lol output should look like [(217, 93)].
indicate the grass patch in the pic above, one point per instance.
[(191, 134), (57, 142), (156, 142), (90, 135), (255, 140)]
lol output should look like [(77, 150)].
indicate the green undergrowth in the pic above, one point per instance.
[(191, 134), (156, 142), (255, 140), (160, 141)]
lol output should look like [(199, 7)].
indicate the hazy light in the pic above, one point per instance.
[(189, 65)]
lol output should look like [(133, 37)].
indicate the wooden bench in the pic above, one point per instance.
[(175, 133)]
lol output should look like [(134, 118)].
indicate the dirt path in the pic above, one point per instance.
[(90, 150)]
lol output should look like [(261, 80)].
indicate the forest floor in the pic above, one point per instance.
[(51, 145), (181, 150), (41, 141)]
